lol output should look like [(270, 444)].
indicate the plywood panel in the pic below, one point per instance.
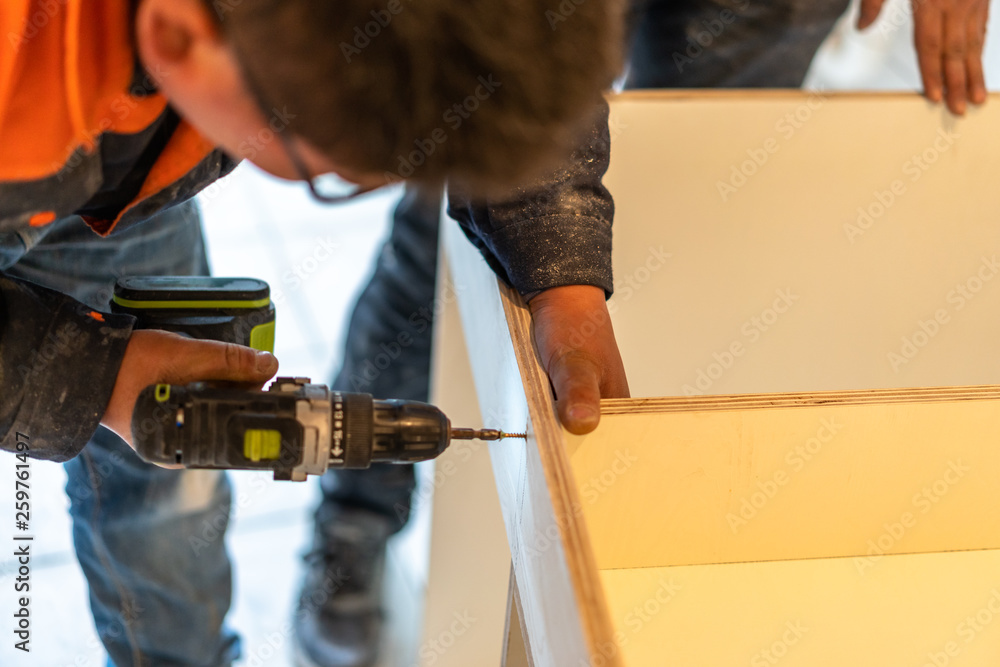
[(791, 278), (928, 609), (792, 477), (777, 286)]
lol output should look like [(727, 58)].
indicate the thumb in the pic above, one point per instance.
[(198, 360), (155, 357), (870, 10), (576, 379)]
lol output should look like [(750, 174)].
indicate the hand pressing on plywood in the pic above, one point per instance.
[(574, 337), (949, 36)]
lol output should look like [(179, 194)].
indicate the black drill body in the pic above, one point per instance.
[(295, 428)]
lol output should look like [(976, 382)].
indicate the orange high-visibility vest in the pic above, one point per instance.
[(67, 69)]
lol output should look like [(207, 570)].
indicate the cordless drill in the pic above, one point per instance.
[(295, 428)]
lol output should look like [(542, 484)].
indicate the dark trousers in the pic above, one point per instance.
[(726, 43), (388, 350)]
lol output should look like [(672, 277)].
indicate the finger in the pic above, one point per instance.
[(975, 38), (576, 379), (615, 385), (954, 62), (870, 9), (614, 382), (199, 360), (927, 39)]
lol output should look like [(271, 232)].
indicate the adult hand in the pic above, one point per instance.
[(161, 357), (573, 333), (949, 36)]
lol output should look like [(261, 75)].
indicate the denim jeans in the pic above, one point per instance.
[(158, 599)]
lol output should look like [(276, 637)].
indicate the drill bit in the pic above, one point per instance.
[(483, 434)]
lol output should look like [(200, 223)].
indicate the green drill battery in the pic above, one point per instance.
[(232, 310)]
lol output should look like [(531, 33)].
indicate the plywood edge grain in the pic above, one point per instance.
[(858, 478), (798, 399), (560, 481), (754, 94), (563, 605)]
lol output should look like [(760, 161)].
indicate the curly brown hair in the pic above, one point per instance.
[(484, 93)]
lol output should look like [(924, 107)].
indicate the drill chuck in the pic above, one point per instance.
[(295, 428)]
